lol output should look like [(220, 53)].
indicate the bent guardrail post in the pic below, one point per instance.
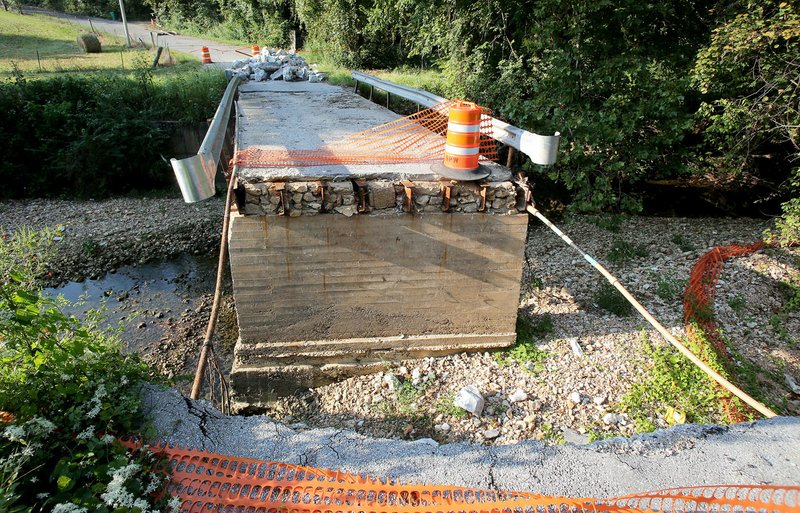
[(541, 149), (195, 174)]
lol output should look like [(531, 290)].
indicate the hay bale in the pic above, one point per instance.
[(89, 43)]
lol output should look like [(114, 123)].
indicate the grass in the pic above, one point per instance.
[(737, 303), (525, 352), (683, 243), (668, 287), (674, 385), (609, 222), (22, 35), (445, 406), (623, 251), (609, 299)]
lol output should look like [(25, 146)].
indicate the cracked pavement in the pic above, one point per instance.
[(762, 452)]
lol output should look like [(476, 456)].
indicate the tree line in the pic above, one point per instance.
[(641, 90)]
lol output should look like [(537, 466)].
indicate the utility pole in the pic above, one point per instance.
[(124, 22)]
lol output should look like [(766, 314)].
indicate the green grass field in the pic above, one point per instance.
[(21, 36)]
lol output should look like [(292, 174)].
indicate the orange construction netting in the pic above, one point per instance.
[(419, 137), (698, 308), (225, 484)]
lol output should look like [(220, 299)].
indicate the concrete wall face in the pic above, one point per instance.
[(321, 297)]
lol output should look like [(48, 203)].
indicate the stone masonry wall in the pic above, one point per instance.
[(345, 197)]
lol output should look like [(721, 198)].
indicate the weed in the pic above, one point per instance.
[(549, 434), (598, 434), (537, 283), (405, 399), (90, 247), (623, 251), (682, 242), (674, 382), (609, 298), (791, 294), (608, 222), (737, 303), (445, 406), (500, 409), (525, 351), (668, 287)]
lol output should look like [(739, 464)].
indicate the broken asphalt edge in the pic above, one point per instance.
[(760, 452)]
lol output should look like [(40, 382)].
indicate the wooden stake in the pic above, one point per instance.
[(91, 26), (39, 60)]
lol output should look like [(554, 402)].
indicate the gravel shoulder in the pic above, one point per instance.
[(557, 396)]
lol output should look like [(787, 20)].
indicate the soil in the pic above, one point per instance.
[(560, 396)]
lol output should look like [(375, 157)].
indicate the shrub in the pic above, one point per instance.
[(70, 391), (91, 136), (525, 351)]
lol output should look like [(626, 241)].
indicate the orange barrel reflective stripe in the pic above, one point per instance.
[(463, 146), (205, 55), (255, 50)]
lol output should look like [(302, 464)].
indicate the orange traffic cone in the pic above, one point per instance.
[(205, 55), (255, 50)]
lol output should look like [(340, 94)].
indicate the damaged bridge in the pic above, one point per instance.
[(347, 254)]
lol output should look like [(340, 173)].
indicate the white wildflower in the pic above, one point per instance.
[(86, 433), (141, 504), (34, 479), (65, 377), (152, 485), (107, 439), (14, 433), (123, 380), (42, 495), (116, 495), (68, 507), (41, 425), (100, 392), (94, 411), (175, 504)]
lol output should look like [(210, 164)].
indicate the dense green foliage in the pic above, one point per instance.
[(97, 134), (70, 392), (639, 90)]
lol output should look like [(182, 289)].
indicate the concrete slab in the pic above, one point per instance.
[(304, 116), (748, 453)]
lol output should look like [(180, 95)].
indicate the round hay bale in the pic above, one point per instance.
[(89, 43)]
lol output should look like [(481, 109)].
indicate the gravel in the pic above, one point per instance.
[(592, 356), (97, 237)]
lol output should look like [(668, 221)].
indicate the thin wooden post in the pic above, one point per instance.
[(39, 60)]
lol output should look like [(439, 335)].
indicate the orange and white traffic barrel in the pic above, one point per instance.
[(463, 146), (255, 50), (205, 55)]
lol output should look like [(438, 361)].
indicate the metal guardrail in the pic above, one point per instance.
[(196, 174), (542, 149)]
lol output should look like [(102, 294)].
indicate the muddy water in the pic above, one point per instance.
[(144, 299)]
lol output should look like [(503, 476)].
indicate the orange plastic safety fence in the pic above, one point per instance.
[(698, 307), (419, 137), (6, 417), (226, 484)]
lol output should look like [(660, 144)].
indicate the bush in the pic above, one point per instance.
[(90, 136), (70, 392)]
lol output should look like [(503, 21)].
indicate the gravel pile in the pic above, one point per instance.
[(591, 356), (274, 64)]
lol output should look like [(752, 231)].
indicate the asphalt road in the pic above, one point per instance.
[(220, 52)]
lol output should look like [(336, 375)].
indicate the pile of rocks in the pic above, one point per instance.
[(274, 65)]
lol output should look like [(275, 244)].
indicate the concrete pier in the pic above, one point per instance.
[(335, 271)]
